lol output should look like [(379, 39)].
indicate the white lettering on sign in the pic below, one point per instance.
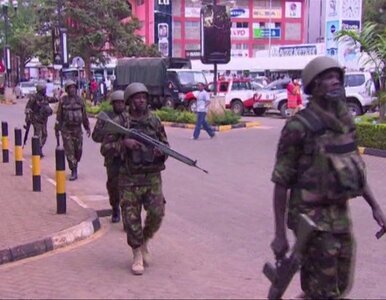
[(163, 2), (240, 33)]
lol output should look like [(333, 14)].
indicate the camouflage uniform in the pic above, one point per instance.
[(141, 183), (71, 115), (37, 112), (326, 268), (110, 149)]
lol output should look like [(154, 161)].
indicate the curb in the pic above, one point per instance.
[(57, 240), (219, 128), (372, 151)]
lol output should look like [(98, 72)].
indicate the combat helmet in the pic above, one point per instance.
[(69, 83), (41, 86), (117, 96), (134, 88), (316, 67)]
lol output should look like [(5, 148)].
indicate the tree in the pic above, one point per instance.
[(372, 41), (374, 11), (96, 30)]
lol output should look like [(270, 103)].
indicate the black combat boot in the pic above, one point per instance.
[(116, 216), (74, 174)]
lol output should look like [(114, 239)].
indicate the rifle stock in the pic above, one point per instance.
[(113, 127), (281, 275), (27, 127)]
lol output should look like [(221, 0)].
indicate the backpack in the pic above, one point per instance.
[(336, 170)]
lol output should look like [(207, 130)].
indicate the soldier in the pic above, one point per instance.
[(112, 155), (37, 112), (69, 119), (318, 161), (141, 183)]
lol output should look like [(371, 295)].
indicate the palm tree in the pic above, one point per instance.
[(372, 42)]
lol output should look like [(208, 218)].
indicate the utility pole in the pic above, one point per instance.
[(59, 8)]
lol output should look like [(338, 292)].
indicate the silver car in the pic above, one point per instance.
[(24, 89)]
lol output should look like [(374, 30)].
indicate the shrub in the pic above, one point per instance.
[(228, 118), (371, 135), (94, 110)]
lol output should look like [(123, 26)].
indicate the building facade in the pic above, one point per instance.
[(256, 24)]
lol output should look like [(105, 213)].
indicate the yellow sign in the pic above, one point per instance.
[(267, 13)]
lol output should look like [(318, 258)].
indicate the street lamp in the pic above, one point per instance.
[(7, 50)]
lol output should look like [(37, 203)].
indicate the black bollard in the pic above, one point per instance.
[(61, 206), (18, 152), (36, 179), (4, 141)]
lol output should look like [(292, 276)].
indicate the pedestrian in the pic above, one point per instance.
[(70, 116), (102, 92), (37, 112), (94, 90), (203, 101), (140, 179), (112, 156), (318, 160), (294, 99)]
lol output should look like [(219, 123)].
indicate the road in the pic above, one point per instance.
[(215, 236)]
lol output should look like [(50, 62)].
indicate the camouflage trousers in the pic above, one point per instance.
[(137, 191), (40, 130), (72, 144), (112, 184), (327, 266)]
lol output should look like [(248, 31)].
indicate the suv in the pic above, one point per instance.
[(359, 88)]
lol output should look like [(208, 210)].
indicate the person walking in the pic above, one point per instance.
[(112, 156), (94, 90), (37, 112), (203, 101), (294, 99), (70, 116), (140, 178), (318, 160)]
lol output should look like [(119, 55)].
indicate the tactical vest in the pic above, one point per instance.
[(334, 169), (41, 109), (143, 160), (72, 111)]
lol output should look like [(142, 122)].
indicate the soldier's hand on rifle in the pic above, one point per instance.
[(379, 216), (157, 152), (132, 144), (280, 246)]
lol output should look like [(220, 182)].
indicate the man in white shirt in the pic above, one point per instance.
[(203, 101)]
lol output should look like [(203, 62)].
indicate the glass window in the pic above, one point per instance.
[(239, 46), (189, 77), (293, 31), (176, 49), (192, 30), (265, 4), (240, 24), (176, 8), (191, 46), (354, 80), (242, 3), (224, 87), (176, 30)]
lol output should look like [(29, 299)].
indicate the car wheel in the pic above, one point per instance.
[(284, 111), (192, 106), (354, 109), (237, 107), (259, 111), (169, 103)]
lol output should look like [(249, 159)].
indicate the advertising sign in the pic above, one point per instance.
[(351, 25), (192, 12), (331, 44), (298, 50), (267, 13), (293, 10), (240, 33), (163, 27), (332, 9), (240, 12), (262, 33)]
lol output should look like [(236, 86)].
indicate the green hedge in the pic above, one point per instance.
[(94, 110), (371, 135)]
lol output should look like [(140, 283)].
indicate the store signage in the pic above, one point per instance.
[(261, 33), (239, 13), (267, 13), (240, 33)]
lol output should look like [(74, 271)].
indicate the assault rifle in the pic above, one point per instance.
[(27, 127), (111, 126), (57, 137), (286, 267)]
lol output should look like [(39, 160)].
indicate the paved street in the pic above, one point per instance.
[(215, 236)]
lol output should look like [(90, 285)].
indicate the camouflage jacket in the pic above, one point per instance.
[(37, 109), (71, 114), (143, 161), (293, 158), (111, 144)]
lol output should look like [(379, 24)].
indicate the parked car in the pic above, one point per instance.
[(239, 95), (24, 89), (359, 88)]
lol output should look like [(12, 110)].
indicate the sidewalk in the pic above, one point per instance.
[(30, 225)]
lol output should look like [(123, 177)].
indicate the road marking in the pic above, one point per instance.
[(78, 201)]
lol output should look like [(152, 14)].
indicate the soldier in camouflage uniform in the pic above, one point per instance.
[(37, 112), (141, 183), (70, 116), (110, 150), (318, 161)]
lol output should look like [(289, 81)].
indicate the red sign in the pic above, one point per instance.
[(2, 67)]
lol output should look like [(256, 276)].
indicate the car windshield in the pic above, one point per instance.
[(27, 84), (241, 85), (191, 77), (277, 85)]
